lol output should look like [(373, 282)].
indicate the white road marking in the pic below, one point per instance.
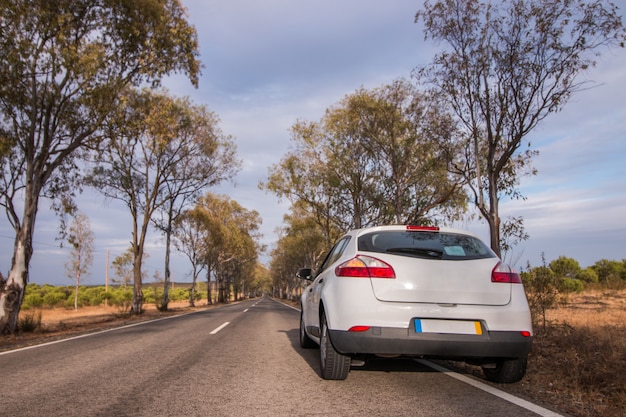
[(246, 310), (54, 342), (220, 328), (543, 412)]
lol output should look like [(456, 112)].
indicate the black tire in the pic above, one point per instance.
[(305, 341), (507, 371), (333, 365)]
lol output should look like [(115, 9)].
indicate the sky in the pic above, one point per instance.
[(268, 64)]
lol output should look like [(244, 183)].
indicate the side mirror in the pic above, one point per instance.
[(305, 273)]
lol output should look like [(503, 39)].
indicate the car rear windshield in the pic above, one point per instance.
[(422, 244)]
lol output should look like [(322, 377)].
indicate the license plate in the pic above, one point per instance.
[(448, 326)]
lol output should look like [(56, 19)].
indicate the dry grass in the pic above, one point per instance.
[(579, 361)]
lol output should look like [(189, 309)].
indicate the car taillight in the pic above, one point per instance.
[(504, 273), (430, 228), (358, 329), (365, 267)]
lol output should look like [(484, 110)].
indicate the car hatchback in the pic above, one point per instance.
[(419, 292)]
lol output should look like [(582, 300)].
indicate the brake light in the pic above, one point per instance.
[(430, 228), (506, 274), (525, 333), (365, 267), (359, 328)]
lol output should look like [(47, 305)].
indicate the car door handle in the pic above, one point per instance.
[(321, 280)]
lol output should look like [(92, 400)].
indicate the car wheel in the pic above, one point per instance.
[(305, 341), (507, 371), (333, 365)]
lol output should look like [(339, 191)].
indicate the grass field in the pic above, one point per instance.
[(578, 361)]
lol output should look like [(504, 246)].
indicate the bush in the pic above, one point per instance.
[(121, 297), (569, 285), (541, 290), (32, 301), (29, 322), (54, 299)]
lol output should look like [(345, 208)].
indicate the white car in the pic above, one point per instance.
[(418, 292)]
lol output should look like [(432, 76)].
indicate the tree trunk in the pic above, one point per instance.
[(494, 215), (166, 285), (13, 287), (137, 303), (76, 291), (192, 292)]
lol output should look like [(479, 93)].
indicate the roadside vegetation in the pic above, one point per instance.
[(578, 360)]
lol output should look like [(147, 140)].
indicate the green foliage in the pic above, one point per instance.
[(565, 267), (611, 273), (62, 65), (569, 285), (121, 297), (55, 297), (179, 294), (378, 156), (541, 290)]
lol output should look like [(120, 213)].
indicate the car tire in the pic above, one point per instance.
[(333, 365), (305, 341), (507, 371)]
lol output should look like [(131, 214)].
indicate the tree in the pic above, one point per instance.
[(507, 66), (372, 159), (153, 143), (541, 289), (230, 244), (189, 239), (123, 267), (565, 267), (81, 238), (610, 271), (62, 66), (301, 244), (201, 157)]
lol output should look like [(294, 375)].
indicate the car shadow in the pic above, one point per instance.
[(374, 364)]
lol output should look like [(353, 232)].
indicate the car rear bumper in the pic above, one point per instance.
[(397, 341)]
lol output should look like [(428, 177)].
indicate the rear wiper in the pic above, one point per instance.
[(425, 253)]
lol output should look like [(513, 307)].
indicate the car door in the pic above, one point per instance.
[(315, 289)]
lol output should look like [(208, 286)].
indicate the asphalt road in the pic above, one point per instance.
[(197, 365)]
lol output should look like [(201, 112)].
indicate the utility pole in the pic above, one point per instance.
[(106, 280)]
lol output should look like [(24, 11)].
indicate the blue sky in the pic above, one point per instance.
[(268, 64)]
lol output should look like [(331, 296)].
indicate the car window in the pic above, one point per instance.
[(431, 245), (335, 253)]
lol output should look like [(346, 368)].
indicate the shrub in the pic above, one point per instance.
[(541, 290), (29, 322), (32, 300), (569, 285)]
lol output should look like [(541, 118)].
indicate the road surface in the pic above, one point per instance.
[(241, 359)]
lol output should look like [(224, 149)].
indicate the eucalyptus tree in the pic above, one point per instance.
[(301, 244), (157, 154), (373, 158), (81, 239), (202, 156), (503, 68), (62, 66), (189, 239), (231, 242)]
